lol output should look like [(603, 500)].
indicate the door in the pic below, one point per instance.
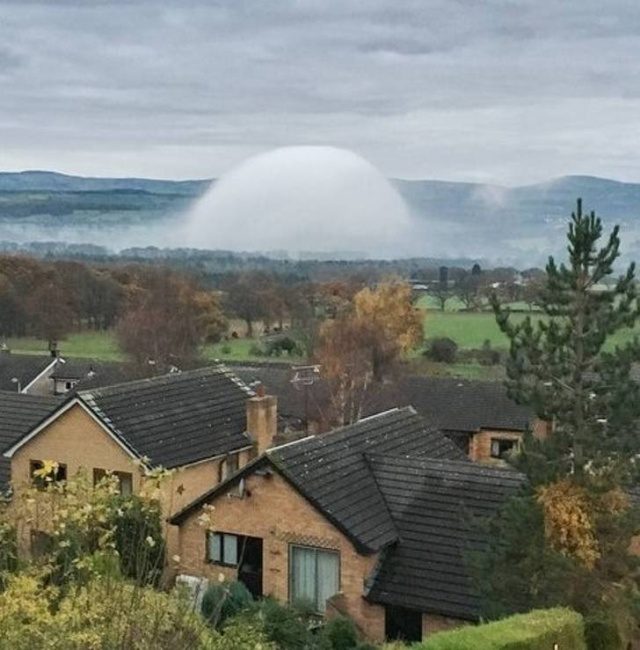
[(250, 567), (402, 624)]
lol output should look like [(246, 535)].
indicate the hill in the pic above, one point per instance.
[(488, 222)]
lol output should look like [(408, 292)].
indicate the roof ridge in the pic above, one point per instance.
[(464, 465), (158, 379), (289, 444)]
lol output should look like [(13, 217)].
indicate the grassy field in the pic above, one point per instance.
[(103, 345), (469, 330), (97, 345)]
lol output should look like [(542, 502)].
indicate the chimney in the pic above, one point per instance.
[(262, 420)]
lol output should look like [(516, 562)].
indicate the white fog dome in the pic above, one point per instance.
[(320, 199)]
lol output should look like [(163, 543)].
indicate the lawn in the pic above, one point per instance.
[(103, 345), (97, 345), (471, 329)]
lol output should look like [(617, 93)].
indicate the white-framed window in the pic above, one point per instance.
[(224, 548), (314, 575)]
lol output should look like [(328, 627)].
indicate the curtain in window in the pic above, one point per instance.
[(303, 574), (215, 551), (328, 580), (230, 552)]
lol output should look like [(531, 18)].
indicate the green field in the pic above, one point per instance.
[(97, 345), (103, 345), (468, 329)]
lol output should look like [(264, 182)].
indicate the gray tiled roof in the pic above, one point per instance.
[(178, 418), (332, 473), (433, 504), (447, 403), (24, 367), (331, 470), (19, 413)]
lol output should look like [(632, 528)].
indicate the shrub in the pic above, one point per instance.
[(138, 538), (487, 356), (340, 633), (284, 625), (602, 633), (225, 349), (103, 613), (242, 635), (256, 350), (224, 601), (537, 630), (442, 350)]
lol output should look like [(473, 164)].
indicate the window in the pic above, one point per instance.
[(125, 479), (314, 575), (500, 447), (228, 466), (224, 548), (55, 472)]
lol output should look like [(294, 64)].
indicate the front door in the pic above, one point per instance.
[(402, 624), (250, 567)]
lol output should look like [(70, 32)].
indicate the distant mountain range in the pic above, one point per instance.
[(501, 224)]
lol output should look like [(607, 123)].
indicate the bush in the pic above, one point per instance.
[(242, 635), (537, 630), (602, 634), (442, 350), (224, 601), (138, 538), (104, 613), (487, 356), (284, 625), (256, 351), (340, 633)]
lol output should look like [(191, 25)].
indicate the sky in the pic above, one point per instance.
[(494, 91)]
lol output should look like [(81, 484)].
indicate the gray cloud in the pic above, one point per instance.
[(499, 90)]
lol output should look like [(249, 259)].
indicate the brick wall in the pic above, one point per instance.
[(274, 511), (480, 444)]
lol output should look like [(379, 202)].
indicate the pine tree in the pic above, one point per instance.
[(566, 539), (565, 364)]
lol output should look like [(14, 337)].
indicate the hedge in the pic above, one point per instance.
[(537, 630)]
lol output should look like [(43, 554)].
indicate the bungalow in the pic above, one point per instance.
[(371, 520)]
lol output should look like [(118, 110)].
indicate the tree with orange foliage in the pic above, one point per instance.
[(363, 342)]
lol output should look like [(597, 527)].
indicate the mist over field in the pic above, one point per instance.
[(301, 201)]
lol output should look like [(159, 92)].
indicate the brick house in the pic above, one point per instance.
[(371, 520), (195, 422)]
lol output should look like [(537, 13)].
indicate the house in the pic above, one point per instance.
[(371, 520), (478, 416), (79, 374), (26, 373), (19, 414), (201, 423)]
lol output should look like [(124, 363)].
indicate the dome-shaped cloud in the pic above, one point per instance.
[(320, 199)]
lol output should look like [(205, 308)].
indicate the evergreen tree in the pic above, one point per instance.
[(566, 366), (566, 539)]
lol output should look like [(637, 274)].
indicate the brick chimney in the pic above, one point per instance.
[(262, 419)]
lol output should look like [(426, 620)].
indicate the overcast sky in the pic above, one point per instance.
[(506, 92)]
